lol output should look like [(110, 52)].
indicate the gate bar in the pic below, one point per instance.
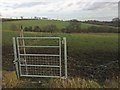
[(39, 46), (39, 65), (39, 55), (40, 76), (38, 37)]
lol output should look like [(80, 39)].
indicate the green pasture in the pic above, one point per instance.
[(41, 23), (76, 42)]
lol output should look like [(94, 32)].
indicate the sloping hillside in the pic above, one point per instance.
[(41, 23)]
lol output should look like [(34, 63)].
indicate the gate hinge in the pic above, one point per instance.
[(15, 61), (63, 40)]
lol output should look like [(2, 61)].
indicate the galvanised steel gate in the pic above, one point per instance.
[(40, 56)]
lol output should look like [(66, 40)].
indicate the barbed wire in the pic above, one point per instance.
[(98, 71)]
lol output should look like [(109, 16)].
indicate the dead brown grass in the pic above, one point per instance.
[(9, 79), (112, 83), (73, 83)]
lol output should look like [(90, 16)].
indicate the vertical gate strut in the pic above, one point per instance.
[(60, 55), (15, 58), (65, 55)]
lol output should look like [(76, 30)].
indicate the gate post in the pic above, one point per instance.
[(15, 57), (65, 55)]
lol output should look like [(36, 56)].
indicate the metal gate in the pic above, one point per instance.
[(40, 56)]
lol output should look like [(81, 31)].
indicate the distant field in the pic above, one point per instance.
[(41, 23)]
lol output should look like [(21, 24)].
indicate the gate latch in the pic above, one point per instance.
[(15, 61)]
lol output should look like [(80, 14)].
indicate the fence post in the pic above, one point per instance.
[(24, 50), (65, 55)]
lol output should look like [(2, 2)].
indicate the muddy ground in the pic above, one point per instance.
[(96, 65)]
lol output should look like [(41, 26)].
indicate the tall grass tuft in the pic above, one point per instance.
[(112, 83), (9, 79), (73, 83)]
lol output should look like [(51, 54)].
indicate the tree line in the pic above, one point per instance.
[(49, 28), (114, 22), (73, 27)]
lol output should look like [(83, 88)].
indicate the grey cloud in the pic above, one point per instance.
[(78, 3), (100, 5), (95, 5), (30, 4), (56, 10), (22, 5), (59, 8), (70, 4), (64, 7)]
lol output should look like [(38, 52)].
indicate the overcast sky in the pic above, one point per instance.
[(61, 9)]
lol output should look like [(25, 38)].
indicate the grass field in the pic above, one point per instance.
[(82, 41), (41, 23), (86, 49)]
